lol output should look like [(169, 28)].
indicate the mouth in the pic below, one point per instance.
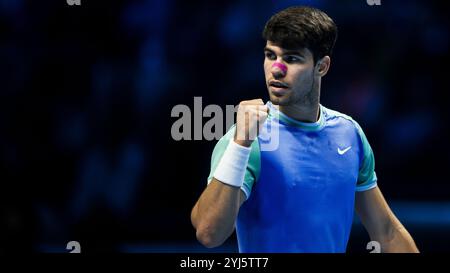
[(278, 84), (277, 87)]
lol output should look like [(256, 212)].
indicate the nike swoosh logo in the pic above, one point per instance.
[(341, 152)]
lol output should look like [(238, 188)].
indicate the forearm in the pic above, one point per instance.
[(215, 213), (381, 223), (398, 240)]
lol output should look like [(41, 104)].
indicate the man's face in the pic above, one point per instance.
[(293, 86)]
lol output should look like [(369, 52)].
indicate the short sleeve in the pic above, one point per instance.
[(367, 178)]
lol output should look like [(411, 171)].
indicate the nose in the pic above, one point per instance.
[(278, 69)]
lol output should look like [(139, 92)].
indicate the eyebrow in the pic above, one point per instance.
[(287, 52)]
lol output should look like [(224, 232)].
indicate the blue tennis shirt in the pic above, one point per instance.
[(300, 183)]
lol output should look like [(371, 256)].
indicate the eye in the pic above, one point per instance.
[(270, 55), (291, 59)]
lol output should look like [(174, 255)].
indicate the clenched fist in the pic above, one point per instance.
[(251, 116)]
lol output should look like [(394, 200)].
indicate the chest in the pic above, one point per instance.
[(316, 160)]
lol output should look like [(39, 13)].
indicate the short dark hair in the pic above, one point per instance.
[(302, 27)]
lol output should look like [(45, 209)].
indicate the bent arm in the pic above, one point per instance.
[(214, 215), (381, 223)]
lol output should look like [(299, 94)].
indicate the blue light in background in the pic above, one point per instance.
[(420, 214)]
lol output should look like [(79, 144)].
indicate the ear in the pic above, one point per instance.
[(322, 66)]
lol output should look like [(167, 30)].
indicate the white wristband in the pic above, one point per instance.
[(232, 166)]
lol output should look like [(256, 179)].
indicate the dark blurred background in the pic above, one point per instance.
[(86, 94)]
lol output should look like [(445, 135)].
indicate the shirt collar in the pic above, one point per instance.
[(308, 126)]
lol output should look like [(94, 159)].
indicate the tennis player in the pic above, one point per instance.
[(301, 196)]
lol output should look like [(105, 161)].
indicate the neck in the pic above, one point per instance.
[(305, 109), (303, 113)]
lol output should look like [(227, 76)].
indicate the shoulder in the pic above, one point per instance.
[(333, 116), (223, 142)]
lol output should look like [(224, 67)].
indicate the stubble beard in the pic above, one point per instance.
[(308, 97)]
